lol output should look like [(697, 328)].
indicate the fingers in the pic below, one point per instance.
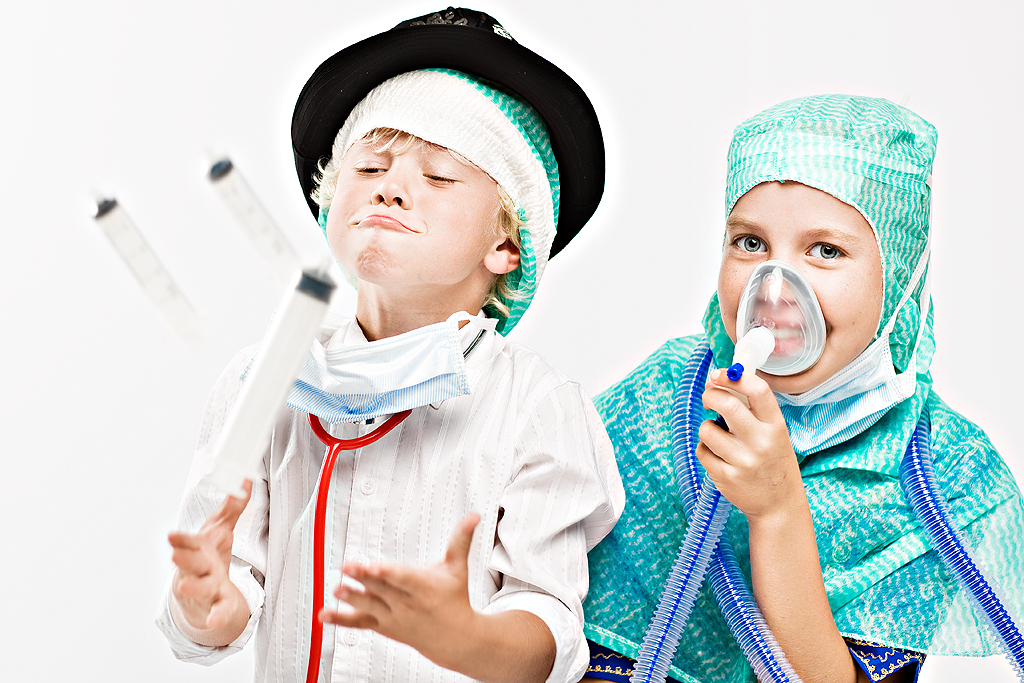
[(361, 604), (348, 616), (457, 554), (192, 562), (762, 404), (390, 582), (191, 554), (366, 601), (716, 441), (184, 541), (730, 407), (231, 509)]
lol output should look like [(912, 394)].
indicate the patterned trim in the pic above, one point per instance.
[(879, 661), (609, 665)]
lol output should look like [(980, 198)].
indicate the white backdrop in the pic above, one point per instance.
[(101, 401)]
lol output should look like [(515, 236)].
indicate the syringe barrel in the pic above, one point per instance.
[(753, 349), (254, 219), (269, 381)]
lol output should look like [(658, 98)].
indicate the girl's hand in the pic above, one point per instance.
[(753, 463)]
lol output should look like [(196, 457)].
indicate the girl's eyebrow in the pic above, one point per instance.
[(820, 233), (739, 223), (826, 234)]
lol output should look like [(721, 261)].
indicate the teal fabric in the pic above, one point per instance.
[(884, 584), (867, 152), (877, 157), (528, 122)]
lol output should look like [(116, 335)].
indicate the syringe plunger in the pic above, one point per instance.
[(269, 381)]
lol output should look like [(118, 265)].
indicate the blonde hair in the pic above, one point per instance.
[(399, 142)]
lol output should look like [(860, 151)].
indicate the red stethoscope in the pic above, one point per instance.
[(323, 486)]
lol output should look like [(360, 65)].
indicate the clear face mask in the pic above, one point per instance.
[(779, 298)]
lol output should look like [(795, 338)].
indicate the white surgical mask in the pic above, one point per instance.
[(859, 395), (358, 382)]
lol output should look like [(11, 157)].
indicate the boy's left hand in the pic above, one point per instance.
[(753, 463), (428, 609)]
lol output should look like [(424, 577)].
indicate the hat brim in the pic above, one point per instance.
[(346, 78)]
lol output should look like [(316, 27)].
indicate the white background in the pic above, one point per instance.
[(101, 401)]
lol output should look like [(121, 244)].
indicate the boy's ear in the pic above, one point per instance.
[(503, 258)]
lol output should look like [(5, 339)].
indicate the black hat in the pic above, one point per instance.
[(474, 43)]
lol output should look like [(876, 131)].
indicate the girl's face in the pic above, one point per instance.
[(831, 245), (420, 220)]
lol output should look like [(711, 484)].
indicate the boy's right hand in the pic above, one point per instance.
[(203, 595)]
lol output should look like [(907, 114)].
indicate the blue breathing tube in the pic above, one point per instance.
[(704, 547), (684, 580), (706, 550), (917, 477)]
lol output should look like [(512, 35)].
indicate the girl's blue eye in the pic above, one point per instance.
[(825, 251), (751, 244)]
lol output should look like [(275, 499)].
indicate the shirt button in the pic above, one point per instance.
[(351, 637), (368, 487)]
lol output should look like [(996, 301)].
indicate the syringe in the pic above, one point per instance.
[(752, 351), (142, 261), (269, 381), (257, 223)]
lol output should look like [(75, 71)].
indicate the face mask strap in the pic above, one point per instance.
[(905, 381), (922, 265), (908, 378)]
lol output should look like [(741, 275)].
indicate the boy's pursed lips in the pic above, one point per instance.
[(381, 220)]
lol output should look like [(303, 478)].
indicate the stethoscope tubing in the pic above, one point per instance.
[(323, 486)]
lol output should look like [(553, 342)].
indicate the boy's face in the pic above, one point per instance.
[(419, 222), (831, 244)]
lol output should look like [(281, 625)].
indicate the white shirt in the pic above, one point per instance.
[(526, 450)]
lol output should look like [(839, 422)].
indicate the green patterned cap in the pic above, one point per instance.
[(867, 152)]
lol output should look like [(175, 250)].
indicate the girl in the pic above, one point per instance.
[(836, 188)]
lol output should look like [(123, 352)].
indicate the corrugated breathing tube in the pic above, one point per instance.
[(917, 477), (706, 549), (708, 512)]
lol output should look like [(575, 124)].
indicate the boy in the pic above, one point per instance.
[(440, 193), (837, 188)]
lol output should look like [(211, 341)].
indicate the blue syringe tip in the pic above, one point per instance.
[(220, 169), (734, 372)]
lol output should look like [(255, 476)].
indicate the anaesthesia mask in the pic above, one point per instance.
[(780, 299), (358, 382), (856, 397)]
